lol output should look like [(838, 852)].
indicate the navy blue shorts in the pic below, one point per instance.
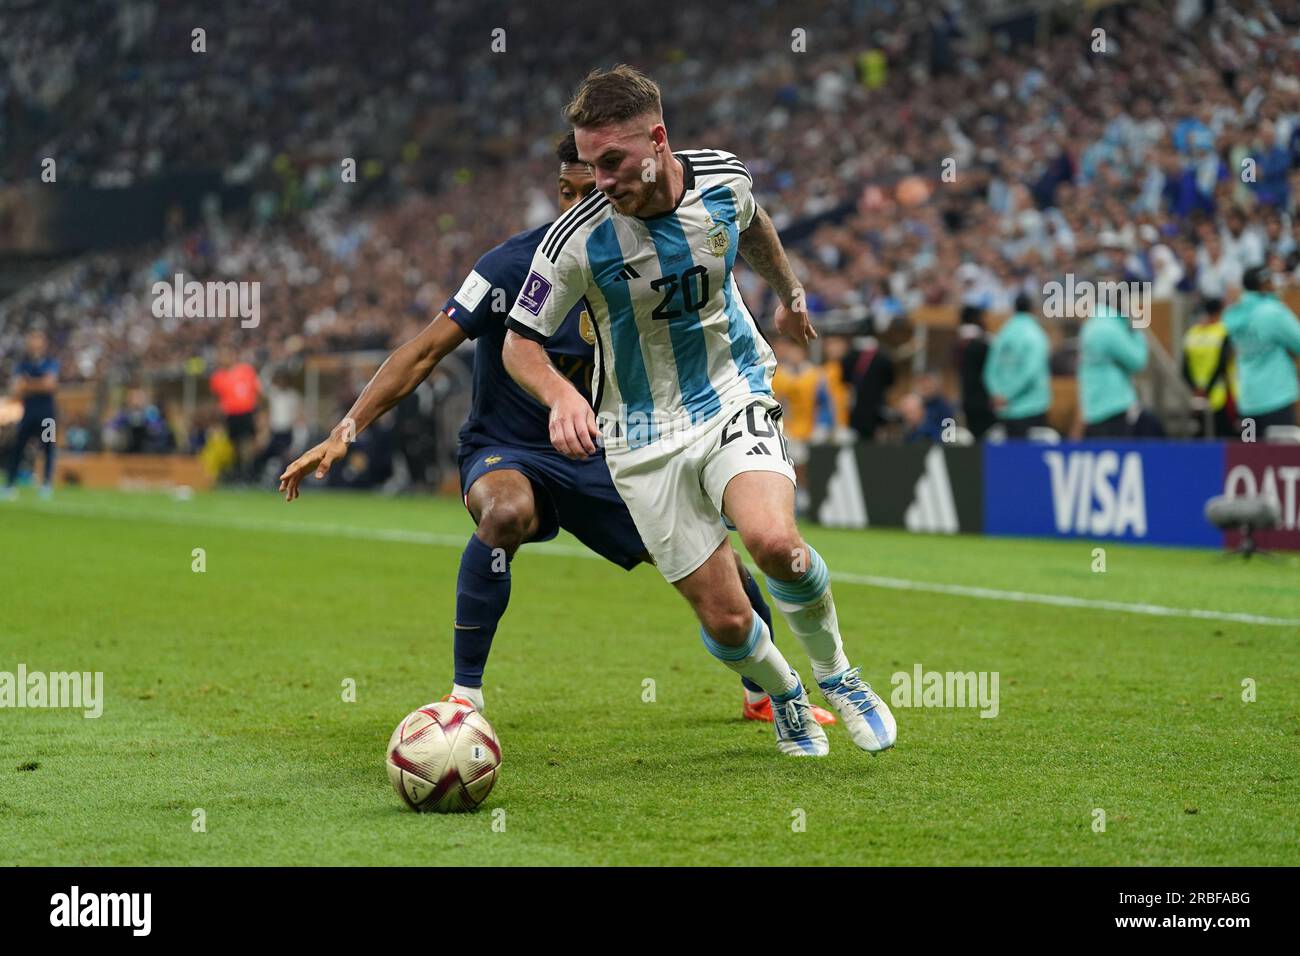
[(577, 496)]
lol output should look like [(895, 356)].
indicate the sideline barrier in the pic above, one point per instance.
[(1151, 492), (1271, 471), (920, 487), (130, 472)]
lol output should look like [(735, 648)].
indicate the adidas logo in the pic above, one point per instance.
[(759, 449), (845, 506), (933, 508), (627, 272)]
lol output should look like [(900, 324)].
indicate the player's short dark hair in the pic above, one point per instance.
[(1024, 302), (613, 96), (566, 150), (1211, 305)]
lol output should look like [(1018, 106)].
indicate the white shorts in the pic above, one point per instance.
[(673, 488)]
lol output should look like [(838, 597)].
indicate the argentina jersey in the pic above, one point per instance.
[(502, 413), (675, 342)]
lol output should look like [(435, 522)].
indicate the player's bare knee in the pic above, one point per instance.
[(728, 625), (507, 523), (777, 551)]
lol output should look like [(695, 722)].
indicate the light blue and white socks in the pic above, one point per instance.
[(758, 659), (809, 610)]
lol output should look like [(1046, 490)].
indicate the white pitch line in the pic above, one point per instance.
[(1060, 600), (550, 547), (284, 527)]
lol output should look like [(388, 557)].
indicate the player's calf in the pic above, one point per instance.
[(762, 508), (506, 514), (757, 705), (482, 595), (803, 596), (798, 733), (809, 608), (754, 656), (737, 636)]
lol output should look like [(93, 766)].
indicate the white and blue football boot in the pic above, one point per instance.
[(797, 732), (864, 714)]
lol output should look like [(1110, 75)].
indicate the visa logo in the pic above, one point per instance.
[(1097, 492)]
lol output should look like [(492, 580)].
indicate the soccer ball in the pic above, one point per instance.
[(443, 758)]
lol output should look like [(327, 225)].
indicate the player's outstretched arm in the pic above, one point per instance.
[(573, 423), (761, 247), (400, 375)]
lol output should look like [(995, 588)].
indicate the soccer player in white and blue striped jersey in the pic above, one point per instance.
[(684, 408)]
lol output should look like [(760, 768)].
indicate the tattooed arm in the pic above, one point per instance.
[(761, 247)]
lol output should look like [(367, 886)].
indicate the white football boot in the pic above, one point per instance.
[(797, 732), (469, 696), (864, 714)]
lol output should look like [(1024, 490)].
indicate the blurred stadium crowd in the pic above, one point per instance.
[(911, 156)]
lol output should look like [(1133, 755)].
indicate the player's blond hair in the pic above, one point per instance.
[(613, 96)]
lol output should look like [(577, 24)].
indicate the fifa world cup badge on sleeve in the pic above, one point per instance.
[(472, 290), (534, 293)]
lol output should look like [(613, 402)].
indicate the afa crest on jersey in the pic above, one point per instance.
[(718, 239)]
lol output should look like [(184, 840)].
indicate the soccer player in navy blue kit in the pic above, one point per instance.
[(516, 486), (36, 380)]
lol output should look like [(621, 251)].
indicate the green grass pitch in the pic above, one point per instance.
[(224, 693)]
